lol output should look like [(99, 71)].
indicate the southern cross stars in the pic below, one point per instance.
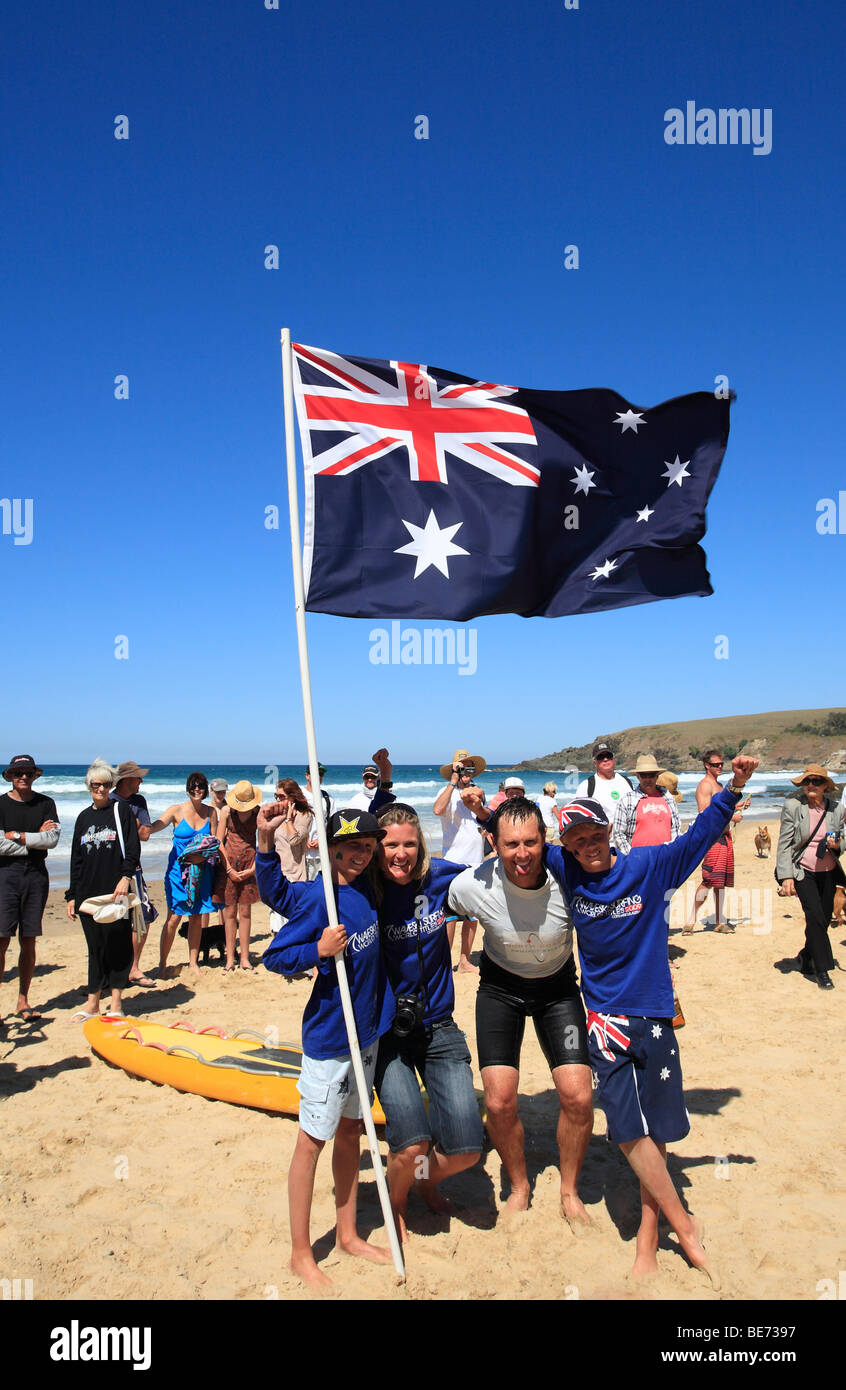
[(629, 419), (675, 471), (583, 480), (656, 1030), (645, 513), (431, 545), (603, 571)]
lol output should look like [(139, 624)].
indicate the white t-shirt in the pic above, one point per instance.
[(545, 804), (361, 801), (463, 843), (609, 792), (528, 931), (313, 855)]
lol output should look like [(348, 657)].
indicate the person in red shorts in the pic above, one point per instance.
[(718, 864)]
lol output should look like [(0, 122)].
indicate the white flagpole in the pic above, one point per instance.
[(311, 744)]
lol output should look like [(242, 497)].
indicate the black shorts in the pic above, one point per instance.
[(505, 1001), (23, 897)]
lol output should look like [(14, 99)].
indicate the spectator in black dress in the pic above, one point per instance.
[(102, 865), (29, 827)]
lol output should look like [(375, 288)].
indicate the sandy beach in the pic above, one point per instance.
[(113, 1187)]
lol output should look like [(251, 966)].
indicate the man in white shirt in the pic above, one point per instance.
[(371, 779), (462, 810), (329, 809), (605, 784), (528, 970)]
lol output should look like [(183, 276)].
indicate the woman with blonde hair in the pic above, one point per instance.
[(105, 854), (549, 810), (809, 845), (425, 1041)]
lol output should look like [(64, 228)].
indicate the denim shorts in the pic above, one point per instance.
[(439, 1053)]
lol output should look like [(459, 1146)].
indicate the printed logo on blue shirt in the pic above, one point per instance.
[(623, 907)]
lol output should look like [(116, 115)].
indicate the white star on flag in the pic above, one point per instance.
[(645, 513), (583, 480), (665, 1073), (431, 545), (672, 1052), (675, 472), (603, 571), (656, 1030), (629, 419)]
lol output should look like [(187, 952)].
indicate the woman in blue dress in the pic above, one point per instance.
[(189, 819)]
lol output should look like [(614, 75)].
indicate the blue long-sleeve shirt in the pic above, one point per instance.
[(294, 949), (621, 916), (418, 908)]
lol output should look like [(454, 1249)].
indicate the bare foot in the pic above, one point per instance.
[(363, 1250), (574, 1213), (695, 1251), (195, 971), (435, 1200), (168, 972), (518, 1199), (467, 968), (687, 931), (646, 1263), (305, 1268)]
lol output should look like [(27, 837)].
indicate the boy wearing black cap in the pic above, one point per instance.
[(619, 907), (329, 1105)]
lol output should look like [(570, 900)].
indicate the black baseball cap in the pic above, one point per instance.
[(353, 825)]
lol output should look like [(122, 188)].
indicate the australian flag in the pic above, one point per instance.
[(433, 495)]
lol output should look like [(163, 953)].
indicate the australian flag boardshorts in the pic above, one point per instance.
[(639, 1077)]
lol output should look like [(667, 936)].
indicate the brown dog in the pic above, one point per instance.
[(762, 842)]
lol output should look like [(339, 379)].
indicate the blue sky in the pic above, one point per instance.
[(250, 127)]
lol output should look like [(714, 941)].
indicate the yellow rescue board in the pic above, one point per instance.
[(244, 1069)]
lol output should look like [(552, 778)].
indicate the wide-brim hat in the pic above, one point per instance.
[(514, 782), (462, 756), (23, 762), (646, 763), (812, 770), (130, 769), (243, 797), (353, 825), (104, 908), (671, 782)]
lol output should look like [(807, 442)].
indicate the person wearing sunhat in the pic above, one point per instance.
[(618, 903), (329, 1104), (128, 779), (463, 813), (646, 815), (809, 846), (236, 830), (29, 827)]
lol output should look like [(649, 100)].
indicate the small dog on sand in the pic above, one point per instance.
[(762, 842), (212, 939)]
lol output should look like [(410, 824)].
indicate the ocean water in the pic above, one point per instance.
[(416, 784)]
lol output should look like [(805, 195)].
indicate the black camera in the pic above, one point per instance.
[(409, 1015)]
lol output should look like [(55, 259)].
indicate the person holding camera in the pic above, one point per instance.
[(425, 1147), (329, 1105), (809, 844)]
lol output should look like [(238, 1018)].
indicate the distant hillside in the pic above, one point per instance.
[(778, 739)]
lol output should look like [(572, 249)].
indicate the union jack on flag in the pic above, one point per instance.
[(605, 1029), (439, 495)]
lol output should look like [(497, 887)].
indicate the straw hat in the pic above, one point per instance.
[(814, 770), (646, 763), (462, 756), (243, 797), (670, 781)]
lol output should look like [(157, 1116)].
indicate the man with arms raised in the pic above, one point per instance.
[(619, 906), (527, 971)]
